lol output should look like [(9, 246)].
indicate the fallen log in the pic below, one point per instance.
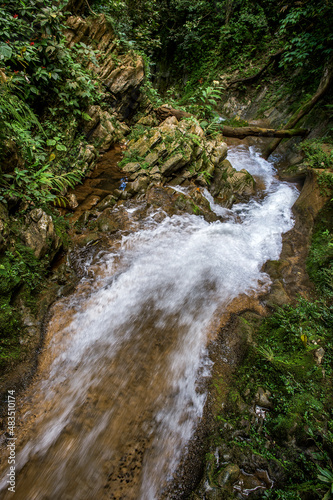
[(241, 132), (164, 112)]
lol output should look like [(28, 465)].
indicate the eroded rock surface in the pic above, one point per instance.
[(178, 153)]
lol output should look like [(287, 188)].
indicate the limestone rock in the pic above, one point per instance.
[(107, 202), (122, 75), (40, 234), (107, 224), (87, 157), (215, 494), (172, 164), (152, 158), (149, 121), (228, 475), (138, 186), (219, 153), (230, 185), (107, 132), (132, 167), (95, 117)]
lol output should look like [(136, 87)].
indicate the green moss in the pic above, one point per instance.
[(320, 258), (20, 272)]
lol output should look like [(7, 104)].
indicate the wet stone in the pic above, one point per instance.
[(131, 167), (107, 202), (107, 225), (228, 475), (215, 494), (172, 164)]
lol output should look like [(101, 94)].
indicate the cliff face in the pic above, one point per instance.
[(31, 236), (122, 74)]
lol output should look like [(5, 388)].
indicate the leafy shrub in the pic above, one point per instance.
[(315, 156)]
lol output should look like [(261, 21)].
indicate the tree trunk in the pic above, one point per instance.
[(241, 132), (323, 86), (163, 112)]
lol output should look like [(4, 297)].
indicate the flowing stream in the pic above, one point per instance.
[(120, 386)]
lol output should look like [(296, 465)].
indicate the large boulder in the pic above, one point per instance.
[(103, 128), (229, 185)]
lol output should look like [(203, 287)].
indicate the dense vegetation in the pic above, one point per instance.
[(291, 360), (45, 90), (198, 39)]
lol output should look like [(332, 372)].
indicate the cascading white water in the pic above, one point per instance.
[(119, 400)]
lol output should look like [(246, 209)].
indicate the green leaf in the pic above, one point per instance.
[(50, 142), (61, 147), (86, 117), (5, 51)]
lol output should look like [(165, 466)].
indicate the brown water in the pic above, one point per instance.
[(120, 387)]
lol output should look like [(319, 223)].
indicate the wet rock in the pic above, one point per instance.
[(125, 195), (172, 164), (277, 295), (215, 494), (117, 193), (88, 239), (294, 173), (219, 154), (156, 178), (131, 167), (228, 475), (202, 181), (82, 220), (107, 202), (138, 186), (148, 121), (107, 224), (230, 185)]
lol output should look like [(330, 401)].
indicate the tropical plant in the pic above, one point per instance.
[(325, 476)]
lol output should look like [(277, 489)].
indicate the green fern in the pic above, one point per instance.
[(13, 108)]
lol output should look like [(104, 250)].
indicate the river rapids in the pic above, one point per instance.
[(120, 388)]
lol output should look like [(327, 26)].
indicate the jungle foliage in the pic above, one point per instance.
[(204, 35), (42, 83)]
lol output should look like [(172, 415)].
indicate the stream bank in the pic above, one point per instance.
[(98, 229)]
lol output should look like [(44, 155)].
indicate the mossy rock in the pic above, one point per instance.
[(228, 476)]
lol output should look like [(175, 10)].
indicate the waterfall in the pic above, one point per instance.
[(119, 392)]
